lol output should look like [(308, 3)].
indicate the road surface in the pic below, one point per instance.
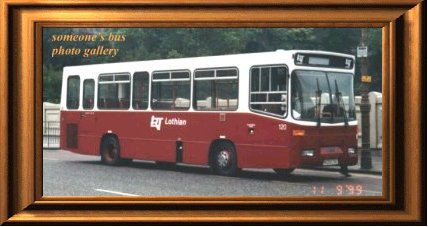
[(69, 174)]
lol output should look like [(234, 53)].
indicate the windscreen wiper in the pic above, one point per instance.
[(318, 104), (340, 104)]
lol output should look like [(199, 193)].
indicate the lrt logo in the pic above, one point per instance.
[(348, 63), (156, 122), (300, 59)]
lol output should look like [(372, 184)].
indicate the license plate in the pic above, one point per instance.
[(330, 162)]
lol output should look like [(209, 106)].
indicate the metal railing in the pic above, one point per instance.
[(51, 133)]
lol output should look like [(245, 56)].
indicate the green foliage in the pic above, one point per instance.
[(160, 43), (51, 84), (375, 59)]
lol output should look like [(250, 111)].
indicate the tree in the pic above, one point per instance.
[(375, 59), (51, 84)]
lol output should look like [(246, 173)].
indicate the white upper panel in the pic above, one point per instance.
[(243, 62)]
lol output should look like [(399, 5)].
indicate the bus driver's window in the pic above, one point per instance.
[(269, 90)]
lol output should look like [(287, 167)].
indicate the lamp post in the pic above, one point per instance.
[(366, 158)]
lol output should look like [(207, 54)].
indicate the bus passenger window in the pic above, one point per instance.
[(269, 90), (140, 94), (216, 89), (88, 94), (170, 90), (73, 92), (114, 94)]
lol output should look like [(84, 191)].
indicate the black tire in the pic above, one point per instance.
[(110, 151), (224, 159), (284, 172)]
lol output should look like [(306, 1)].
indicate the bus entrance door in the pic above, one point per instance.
[(87, 126)]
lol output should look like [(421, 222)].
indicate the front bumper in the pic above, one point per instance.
[(327, 156)]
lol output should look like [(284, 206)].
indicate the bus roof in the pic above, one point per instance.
[(223, 58), (200, 62)]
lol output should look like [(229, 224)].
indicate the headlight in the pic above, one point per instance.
[(308, 153), (351, 150)]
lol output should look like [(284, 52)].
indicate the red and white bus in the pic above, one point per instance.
[(281, 110)]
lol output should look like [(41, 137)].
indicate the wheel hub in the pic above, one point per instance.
[(223, 158)]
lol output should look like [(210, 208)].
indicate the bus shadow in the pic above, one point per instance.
[(243, 174), (293, 177)]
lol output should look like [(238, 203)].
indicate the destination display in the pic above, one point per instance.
[(320, 60)]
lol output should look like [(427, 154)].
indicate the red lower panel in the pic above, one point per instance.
[(195, 152), (257, 156), (260, 142)]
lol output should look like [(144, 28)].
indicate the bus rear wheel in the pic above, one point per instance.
[(110, 151), (223, 159), (284, 172)]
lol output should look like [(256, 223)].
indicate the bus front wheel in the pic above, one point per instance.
[(283, 172), (110, 151), (223, 160)]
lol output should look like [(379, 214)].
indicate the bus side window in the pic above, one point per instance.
[(88, 94), (216, 89), (140, 91), (114, 91), (171, 90), (73, 92)]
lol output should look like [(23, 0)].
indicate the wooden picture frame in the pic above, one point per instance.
[(404, 159)]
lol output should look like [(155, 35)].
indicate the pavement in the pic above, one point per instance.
[(376, 164)]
